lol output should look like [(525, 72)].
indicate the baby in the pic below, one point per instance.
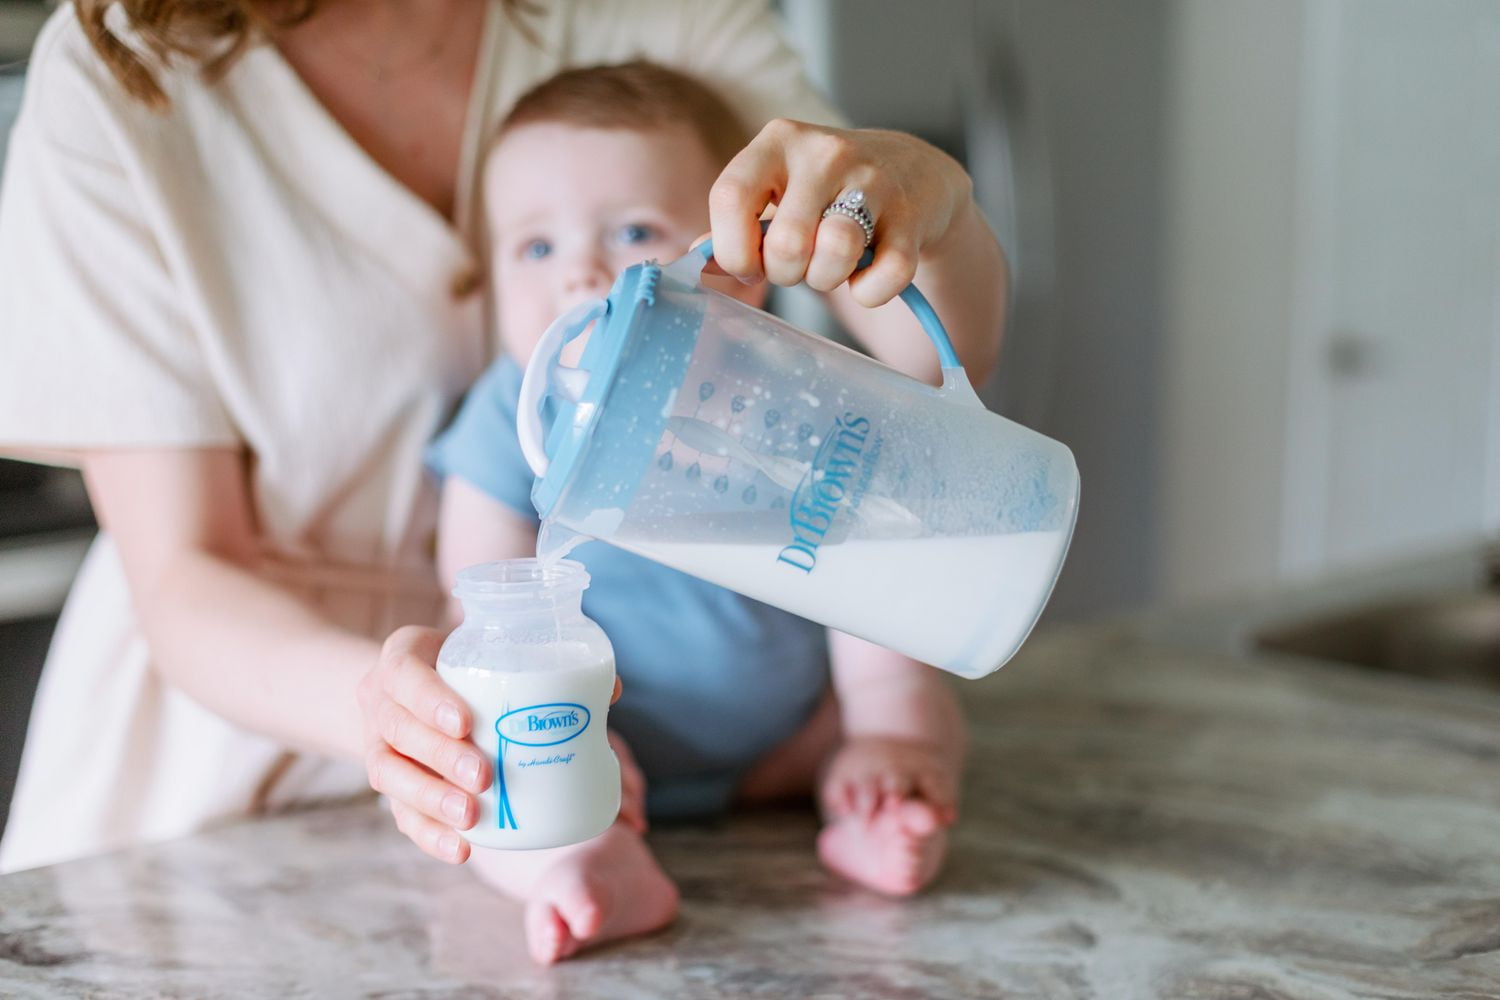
[(726, 700)]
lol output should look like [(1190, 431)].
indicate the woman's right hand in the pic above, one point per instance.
[(417, 752)]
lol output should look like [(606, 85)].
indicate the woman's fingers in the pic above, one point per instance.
[(750, 182), (894, 267), (415, 787), (433, 838), (407, 666), (415, 726), (456, 760), (787, 248), (837, 247)]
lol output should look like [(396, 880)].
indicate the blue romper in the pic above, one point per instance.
[(712, 679)]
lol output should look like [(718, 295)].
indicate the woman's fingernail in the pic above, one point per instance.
[(468, 769), (455, 806), (449, 719), (448, 845)]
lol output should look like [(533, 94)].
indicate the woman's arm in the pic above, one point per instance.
[(238, 644), (258, 656)]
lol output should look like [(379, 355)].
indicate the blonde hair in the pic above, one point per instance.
[(211, 33), (636, 95)]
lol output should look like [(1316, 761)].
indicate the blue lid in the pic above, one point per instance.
[(636, 359)]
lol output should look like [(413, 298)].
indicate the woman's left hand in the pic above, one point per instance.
[(914, 192)]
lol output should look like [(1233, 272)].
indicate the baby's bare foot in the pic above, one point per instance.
[(610, 887), (897, 850)]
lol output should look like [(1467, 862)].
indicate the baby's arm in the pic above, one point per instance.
[(474, 527), (904, 732)]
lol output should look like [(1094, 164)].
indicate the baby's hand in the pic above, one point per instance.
[(870, 772), (632, 785)]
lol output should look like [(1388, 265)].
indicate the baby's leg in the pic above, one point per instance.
[(891, 788), (585, 894), (886, 799), (791, 769)]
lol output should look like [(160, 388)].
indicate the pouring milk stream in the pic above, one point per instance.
[(714, 438)]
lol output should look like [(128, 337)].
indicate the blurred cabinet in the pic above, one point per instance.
[(1332, 368)]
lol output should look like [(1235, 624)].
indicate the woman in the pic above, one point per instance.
[(238, 286)]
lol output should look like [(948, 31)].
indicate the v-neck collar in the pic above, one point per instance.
[(320, 156)]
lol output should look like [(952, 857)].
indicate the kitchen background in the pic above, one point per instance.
[(1256, 252)]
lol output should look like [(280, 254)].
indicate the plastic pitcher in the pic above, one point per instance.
[(714, 438)]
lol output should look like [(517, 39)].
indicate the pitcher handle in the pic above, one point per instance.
[(534, 383), (701, 254)]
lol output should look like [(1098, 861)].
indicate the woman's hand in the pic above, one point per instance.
[(915, 193), (416, 747)]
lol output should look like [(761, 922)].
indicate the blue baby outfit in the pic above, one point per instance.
[(712, 679)]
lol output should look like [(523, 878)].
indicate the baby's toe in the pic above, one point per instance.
[(584, 907), (918, 817), (547, 936)]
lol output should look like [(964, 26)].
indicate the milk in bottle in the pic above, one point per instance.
[(537, 676)]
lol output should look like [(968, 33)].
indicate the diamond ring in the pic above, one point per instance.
[(851, 205)]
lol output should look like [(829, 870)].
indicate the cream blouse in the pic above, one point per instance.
[(238, 271)]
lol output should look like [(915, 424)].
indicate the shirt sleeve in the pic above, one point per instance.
[(480, 445), (95, 349)]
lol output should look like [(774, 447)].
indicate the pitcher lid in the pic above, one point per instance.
[(630, 371)]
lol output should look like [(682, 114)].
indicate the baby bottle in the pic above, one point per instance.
[(537, 675)]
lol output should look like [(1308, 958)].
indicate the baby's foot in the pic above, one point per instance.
[(869, 772), (610, 887), (897, 850)]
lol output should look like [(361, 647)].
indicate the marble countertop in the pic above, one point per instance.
[(1139, 822)]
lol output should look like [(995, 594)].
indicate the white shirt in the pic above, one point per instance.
[(238, 271)]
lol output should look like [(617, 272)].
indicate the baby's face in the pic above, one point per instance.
[(572, 207)]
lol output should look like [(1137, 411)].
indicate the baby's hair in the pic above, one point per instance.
[(636, 95)]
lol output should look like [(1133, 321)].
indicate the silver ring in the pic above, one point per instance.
[(851, 205)]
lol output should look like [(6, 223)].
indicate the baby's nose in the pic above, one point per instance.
[(587, 276)]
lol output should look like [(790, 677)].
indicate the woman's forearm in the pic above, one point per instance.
[(238, 644), (967, 281), (253, 653)]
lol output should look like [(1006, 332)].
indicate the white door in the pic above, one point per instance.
[(1393, 438)]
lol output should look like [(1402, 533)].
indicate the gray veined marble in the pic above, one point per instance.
[(1139, 822)]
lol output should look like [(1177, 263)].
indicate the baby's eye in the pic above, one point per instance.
[(536, 250), (635, 232)]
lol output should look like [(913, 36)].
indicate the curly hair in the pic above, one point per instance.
[(211, 33)]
